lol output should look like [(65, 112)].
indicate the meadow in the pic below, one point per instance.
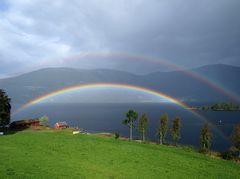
[(60, 154)]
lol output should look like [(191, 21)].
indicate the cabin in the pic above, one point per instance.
[(61, 125), (25, 123), (35, 123)]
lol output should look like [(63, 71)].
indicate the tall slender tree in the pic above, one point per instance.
[(143, 124), (206, 137), (236, 136), (162, 130), (176, 129), (5, 108), (131, 117)]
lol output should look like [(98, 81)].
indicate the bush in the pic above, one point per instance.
[(204, 151), (230, 154), (227, 155), (116, 135)]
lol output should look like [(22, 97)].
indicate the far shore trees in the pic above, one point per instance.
[(131, 117), (205, 138), (143, 124), (5, 108), (162, 130), (176, 130)]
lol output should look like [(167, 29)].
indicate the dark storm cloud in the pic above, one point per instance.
[(36, 34)]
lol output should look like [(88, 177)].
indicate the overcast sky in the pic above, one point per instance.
[(119, 34)]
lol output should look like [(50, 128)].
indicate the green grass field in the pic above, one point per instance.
[(53, 154)]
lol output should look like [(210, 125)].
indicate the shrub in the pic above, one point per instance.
[(116, 135), (230, 154), (203, 151)]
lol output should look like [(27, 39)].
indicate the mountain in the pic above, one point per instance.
[(207, 83), (191, 85), (30, 85), (226, 75)]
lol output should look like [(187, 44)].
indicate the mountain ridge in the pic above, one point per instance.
[(178, 84)]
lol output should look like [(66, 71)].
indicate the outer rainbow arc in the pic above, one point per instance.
[(213, 84)]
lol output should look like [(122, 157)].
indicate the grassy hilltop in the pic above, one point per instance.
[(59, 154)]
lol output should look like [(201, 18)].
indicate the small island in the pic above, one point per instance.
[(223, 106)]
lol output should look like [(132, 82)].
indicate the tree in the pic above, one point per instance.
[(176, 130), (236, 136), (44, 121), (143, 124), (131, 117), (205, 137), (5, 108), (162, 130)]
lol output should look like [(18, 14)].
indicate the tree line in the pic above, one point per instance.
[(206, 135), (224, 106)]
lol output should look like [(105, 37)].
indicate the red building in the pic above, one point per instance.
[(35, 123), (25, 123), (61, 125)]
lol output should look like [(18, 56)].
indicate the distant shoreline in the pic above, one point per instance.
[(218, 107)]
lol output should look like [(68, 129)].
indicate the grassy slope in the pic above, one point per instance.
[(60, 154)]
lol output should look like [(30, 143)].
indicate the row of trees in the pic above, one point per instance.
[(132, 117), (225, 106), (205, 135), (221, 107)]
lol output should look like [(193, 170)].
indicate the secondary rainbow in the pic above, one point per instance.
[(132, 57)]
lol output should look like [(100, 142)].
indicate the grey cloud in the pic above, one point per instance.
[(35, 34)]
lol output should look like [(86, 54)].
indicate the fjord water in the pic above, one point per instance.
[(108, 117)]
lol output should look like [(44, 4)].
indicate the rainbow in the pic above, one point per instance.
[(76, 88), (212, 84)]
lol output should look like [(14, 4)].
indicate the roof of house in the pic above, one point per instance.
[(27, 121), (64, 123)]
